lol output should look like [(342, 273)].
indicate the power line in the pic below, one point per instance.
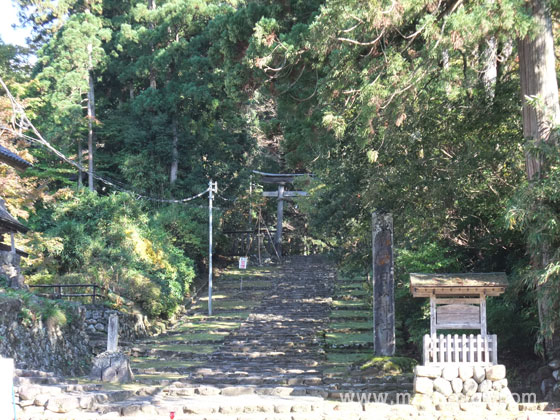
[(21, 121)]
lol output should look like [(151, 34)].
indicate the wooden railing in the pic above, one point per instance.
[(58, 292), (473, 350)]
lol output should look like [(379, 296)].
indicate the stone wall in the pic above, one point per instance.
[(449, 387), (43, 345)]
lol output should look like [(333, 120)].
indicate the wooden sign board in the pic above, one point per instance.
[(458, 314)]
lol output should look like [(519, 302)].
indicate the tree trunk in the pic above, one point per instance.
[(91, 118), (174, 152), (538, 83), (490, 64), (153, 84), (80, 152)]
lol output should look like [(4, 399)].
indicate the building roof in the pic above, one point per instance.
[(425, 285), (13, 160), (8, 223)]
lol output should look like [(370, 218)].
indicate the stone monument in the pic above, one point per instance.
[(383, 285), (112, 365)]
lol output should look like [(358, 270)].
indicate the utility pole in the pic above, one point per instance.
[(212, 188), (280, 219)]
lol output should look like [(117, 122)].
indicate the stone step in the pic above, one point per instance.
[(37, 380), (32, 373)]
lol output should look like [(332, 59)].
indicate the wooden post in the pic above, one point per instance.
[(483, 329), (280, 219), (456, 348), (479, 348), (494, 349), (212, 188), (12, 236), (383, 285), (113, 333), (426, 345), (433, 315)]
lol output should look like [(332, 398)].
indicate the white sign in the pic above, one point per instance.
[(243, 263)]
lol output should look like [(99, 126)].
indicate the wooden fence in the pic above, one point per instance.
[(473, 350), (58, 292)]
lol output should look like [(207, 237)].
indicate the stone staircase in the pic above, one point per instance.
[(282, 344)]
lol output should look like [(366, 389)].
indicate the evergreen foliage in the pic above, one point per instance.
[(110, 241), (411, 107)]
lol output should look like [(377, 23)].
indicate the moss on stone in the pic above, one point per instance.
[(390, 365)]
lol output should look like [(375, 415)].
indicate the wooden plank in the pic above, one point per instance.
[(425, 348), (435, 346), (464, 346), (457, 300), (433, 329), (483, 329), (448, 344), (470, 326), (471, 349), (486, 349), (457, 314), (479, 348), (456, 346), (494, 349), (441, 349)]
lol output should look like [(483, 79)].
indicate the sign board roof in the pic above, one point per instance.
[(425, 285)]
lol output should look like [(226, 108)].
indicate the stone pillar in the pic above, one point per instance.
[(6, 388), (10, 268), (383, 285), (113, 333)]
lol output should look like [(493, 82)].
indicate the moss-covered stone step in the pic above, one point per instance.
[(351, 314)]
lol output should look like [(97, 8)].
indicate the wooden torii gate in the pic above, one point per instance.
[(281, 195)]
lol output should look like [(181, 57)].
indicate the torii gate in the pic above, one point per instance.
[(281, 180)]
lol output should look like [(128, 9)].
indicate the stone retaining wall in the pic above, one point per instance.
[(454, 385), (36, 344)]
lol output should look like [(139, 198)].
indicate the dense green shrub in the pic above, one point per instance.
[(120, 244)]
